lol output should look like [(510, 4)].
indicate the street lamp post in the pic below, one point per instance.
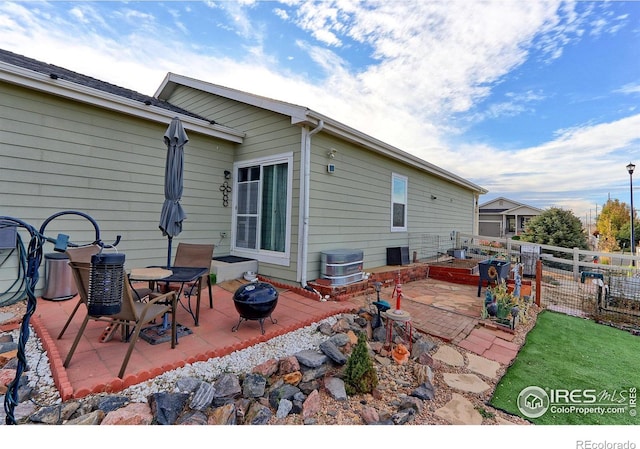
[(630, 168)]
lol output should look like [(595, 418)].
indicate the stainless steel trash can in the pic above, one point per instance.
[(59, 284)]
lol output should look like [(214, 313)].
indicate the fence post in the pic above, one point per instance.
[(538, 281), (576, 263)]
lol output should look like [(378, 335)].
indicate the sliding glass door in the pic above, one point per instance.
[(262, 209)]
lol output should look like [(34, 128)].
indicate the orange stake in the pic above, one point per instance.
[(397, 291)]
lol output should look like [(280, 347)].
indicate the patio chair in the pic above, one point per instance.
[(133, 314), (82, 254), (196, 255)]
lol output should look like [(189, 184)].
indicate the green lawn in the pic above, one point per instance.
[(579, 365)]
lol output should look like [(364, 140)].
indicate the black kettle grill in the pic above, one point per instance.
[(255, 301)]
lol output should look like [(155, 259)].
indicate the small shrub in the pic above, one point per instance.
[(360, 375)]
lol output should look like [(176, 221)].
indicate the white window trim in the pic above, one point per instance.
[(395, 176), (265, 256)]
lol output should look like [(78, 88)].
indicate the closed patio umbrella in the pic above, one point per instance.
[(172, 213)]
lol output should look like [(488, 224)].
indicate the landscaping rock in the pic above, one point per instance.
[(449, 356), (335, 387), (224, 415), (134, 414), (226, 389), (466, 382), (425, 391), (311, 358), (258, 414), (459, 410), (166, 407), (333, 352), (254, 385), (202, 397)]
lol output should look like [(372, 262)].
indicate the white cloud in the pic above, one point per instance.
[(517, 104), (281, 13), (633, 88), (240, 20)]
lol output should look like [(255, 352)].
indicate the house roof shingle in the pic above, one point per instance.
[(56, 72)]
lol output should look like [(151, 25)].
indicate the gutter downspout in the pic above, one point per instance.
[(306, 161)]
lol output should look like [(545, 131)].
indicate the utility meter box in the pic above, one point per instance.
[(8, 237)]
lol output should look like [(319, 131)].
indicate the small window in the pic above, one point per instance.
[(399, 187)]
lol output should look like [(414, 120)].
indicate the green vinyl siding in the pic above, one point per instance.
[(267, 134), (57, 154), (350, 208)]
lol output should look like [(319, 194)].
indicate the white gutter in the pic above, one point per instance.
[(305, 162)]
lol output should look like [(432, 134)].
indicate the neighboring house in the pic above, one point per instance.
[(504, 218), (301, 183)]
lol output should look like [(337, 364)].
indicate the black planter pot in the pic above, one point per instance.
[(255, 301), (492, 271)]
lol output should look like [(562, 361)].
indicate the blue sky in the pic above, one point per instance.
[(537, 101)]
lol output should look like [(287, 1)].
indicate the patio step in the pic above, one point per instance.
[(228, 271)]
